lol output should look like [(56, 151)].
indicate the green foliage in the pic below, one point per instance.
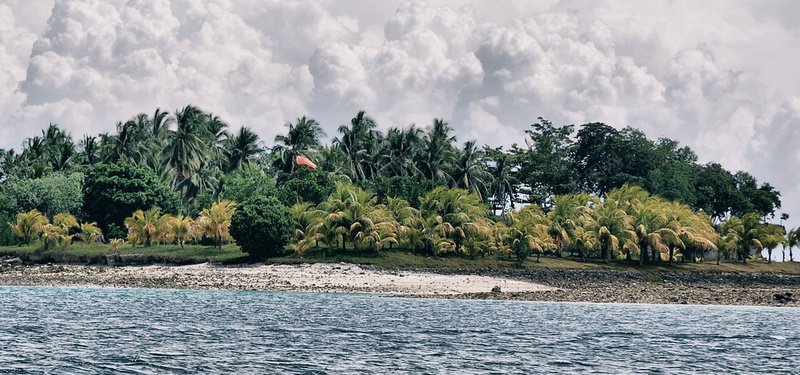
[(113, 191), (49, 195), (313, 185), (249, 183), (262, 227), (404, 187)]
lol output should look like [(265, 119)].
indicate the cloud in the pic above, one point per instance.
[(716, 76)]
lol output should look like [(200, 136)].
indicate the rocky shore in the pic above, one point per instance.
[(529, 285)]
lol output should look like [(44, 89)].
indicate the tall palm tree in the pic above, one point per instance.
[(241, 148), (439, 153), (186, 149), (468, 172), (89, 150), (402, 147), (503, 185), (792, 240), (359, 140), (303, 137)]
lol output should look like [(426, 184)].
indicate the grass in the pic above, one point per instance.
[(398, 258), (95, 253)]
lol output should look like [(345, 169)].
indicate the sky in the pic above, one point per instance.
[(718, 76)]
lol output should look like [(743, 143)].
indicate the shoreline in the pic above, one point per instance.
[(554, 285)]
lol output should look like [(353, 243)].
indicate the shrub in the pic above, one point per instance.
[(262, 227), (49, 195), (113, 191)]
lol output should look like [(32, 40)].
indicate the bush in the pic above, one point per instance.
[(112, 192), (262, 227), (50, 195)]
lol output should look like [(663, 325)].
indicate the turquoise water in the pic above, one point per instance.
[(140, 331)]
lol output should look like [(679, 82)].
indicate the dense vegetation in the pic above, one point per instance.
[(175, 178)]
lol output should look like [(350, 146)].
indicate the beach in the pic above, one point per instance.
[(603, 286)]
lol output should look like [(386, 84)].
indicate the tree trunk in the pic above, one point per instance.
[(344, 243), (791, 258), (769, 254), (718, 256), (537, 256)]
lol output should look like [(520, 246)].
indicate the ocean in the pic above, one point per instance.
[(148, 331)]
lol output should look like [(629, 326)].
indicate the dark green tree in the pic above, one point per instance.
[(262, 227)]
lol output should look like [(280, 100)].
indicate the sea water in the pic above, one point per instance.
[(143, 331)]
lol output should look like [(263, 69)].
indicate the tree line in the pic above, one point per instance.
[(183, 162)]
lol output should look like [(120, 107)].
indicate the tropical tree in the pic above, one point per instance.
[(146, 227), (468, 172), (792, 240), (186, 147), (240, 149), (215, 222), (402, 147), (438, 153), (463, 214), (528, 232), (29, 225), (303, 137), (358, 141), (774, 236), (613, 229), (503, 184), (357, 218), (180, 229), (745, 232)]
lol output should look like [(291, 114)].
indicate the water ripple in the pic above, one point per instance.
[(139, 331)]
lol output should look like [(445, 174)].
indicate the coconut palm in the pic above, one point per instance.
[(746, 232), (438, 153), (89, 150), (146, 227), (215, 222), (468, 172), (303, 137), (613, 229), (357, 218), (29, 225), (402, 146), (503, 184), (186, 148), (464, 212), (240, 149), (774, 236), (528, 232), (358, 141), (792, 240)]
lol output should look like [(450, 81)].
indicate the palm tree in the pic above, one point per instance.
[(215, 222), (240, 149), (358, 141), (357, 218), (402, 146), (186, 147), (465, 213), (613, 229), (303, 137), (29, 225), (89, 150), (528, 232), (792, 240), (503, 183), (146, 226), (468, 172), (438, 154), (746, 232), (649, 222), (774, 235)]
